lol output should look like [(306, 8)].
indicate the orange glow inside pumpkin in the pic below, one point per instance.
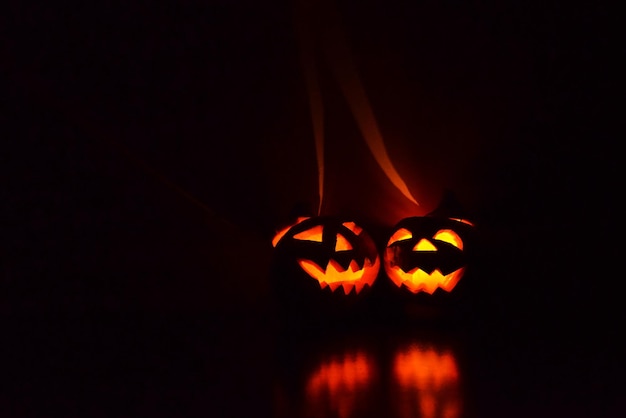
[(337, 383), (280, 234), (400, 235), (424, 245), (449, 236), (429, 382), (353, 227), (313, 234), (417, 280), (342, 244), (446, 235), (335, 276)]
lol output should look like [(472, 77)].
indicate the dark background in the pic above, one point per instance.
[(150, 150)]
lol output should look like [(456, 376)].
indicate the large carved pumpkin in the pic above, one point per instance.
[(324, 262)]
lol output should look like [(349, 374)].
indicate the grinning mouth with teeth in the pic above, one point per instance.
[(334, 275), (418, 280)]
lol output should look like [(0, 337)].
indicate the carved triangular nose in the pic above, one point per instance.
[(424, 245), (342, 243)]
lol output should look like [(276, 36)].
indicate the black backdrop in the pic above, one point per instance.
[(152, 149)]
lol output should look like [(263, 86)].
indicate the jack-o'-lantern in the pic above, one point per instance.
[(424, 254), (334, 253), (324, 262), (427, 253)]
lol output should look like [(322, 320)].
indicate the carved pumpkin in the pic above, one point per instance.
[(427, 253), (333, 253), (322, 267), (424, 254)]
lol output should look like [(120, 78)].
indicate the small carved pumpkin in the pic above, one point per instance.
[(334, 253), (427, 253)]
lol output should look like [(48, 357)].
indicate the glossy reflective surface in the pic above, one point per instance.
[(397, 374), (162, 366)]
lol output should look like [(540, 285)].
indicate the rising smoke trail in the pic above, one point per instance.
[(345, 72), (337, 52), (307, 59)]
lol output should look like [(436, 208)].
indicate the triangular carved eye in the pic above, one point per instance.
[(449, 236), (342, 243), (400, 235), (313, 234), (424, 245), (280, 234)]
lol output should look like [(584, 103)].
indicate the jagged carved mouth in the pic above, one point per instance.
[(335, 276), (417, 280)]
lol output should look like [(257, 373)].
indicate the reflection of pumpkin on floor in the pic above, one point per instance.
[(340, 385), (407, 379), (426, 383)]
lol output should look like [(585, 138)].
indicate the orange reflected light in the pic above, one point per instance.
[(337, 383), (428, 381)]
